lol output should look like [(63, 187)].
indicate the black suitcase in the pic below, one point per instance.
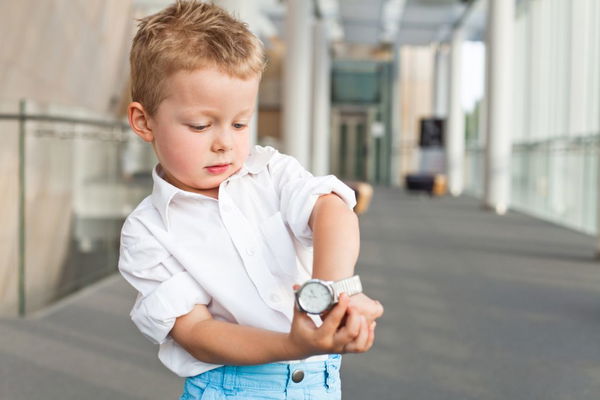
[(420, 182)]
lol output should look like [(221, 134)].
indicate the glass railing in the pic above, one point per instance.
[(68, 180), (554, 179), (474, 170)]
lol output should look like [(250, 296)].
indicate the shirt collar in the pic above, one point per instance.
[(259, 158), (163, 192)]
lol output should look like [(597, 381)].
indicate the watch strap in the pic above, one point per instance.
[(350, 286)]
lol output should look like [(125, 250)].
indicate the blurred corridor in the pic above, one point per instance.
[(476, 121)]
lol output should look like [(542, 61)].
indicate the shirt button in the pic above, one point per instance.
[(250, 251)]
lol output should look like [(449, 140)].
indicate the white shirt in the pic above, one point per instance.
[(238, 255)]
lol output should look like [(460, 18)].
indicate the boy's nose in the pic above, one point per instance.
[(223, 140)]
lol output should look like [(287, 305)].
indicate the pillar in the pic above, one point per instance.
[(440, 82), (321, 104), (499, 84), (249, 12), (297, 81), (455, 141)]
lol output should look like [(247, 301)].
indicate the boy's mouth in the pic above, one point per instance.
[(217, 169)]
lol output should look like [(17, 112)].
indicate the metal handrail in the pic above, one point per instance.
[(64, 119)]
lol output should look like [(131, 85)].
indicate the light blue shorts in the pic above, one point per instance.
[(276, 381)]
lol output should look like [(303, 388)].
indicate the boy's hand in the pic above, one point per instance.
[(354, 336), (364, 305), (367, 307)]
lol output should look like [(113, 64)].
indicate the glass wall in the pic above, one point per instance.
[(472, 102), (556, 130), (9, 210), (74, 177)]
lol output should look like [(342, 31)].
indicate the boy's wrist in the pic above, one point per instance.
[(293, 350), (299, 348)]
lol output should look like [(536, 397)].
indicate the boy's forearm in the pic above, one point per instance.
[(219, 342), (336, 238)]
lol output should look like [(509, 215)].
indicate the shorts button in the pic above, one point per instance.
[(298, 375)]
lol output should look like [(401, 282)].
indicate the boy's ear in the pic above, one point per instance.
[(139, 121)]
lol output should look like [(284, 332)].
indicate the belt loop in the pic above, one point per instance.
[(229, 379), (332, 372)]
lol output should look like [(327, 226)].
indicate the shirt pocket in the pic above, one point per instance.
[(279, 245)]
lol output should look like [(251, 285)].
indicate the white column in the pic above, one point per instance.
[(501, 15), (455, 141), (351, 139), (297, 80), (249, 12), (598, 188), (440, 82), (321, 104), (598, 209), (396, 161)]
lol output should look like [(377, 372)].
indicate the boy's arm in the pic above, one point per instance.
[(336, 243), (219, 342), (336, 238)]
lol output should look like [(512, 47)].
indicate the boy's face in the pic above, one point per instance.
[(200, 129)]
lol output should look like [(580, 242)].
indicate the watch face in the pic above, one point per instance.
[(315, 297)]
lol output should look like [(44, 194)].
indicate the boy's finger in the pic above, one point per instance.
[(335, 316), (380, 309), (350, 330), (359, 344), (371, 339)]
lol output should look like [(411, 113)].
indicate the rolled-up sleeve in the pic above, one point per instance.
[(165, 290), (298, 192)]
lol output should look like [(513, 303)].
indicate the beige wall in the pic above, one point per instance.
[(416, 80), (65, 52)]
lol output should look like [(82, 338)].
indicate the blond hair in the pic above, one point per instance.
[(189, 35)]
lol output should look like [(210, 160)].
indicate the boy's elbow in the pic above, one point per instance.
[(331, 205), (183, 331)]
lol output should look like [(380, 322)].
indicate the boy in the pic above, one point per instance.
[(218, 248)]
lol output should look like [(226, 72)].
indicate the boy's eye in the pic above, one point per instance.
[(199, 127), (239, 126)]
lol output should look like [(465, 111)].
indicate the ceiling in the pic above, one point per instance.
[(404, 22), (426, 21), (420, 22), (371, 22)]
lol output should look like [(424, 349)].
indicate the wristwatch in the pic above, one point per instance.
[(316, 296)]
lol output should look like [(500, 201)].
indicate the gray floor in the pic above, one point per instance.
[(477, 307)]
